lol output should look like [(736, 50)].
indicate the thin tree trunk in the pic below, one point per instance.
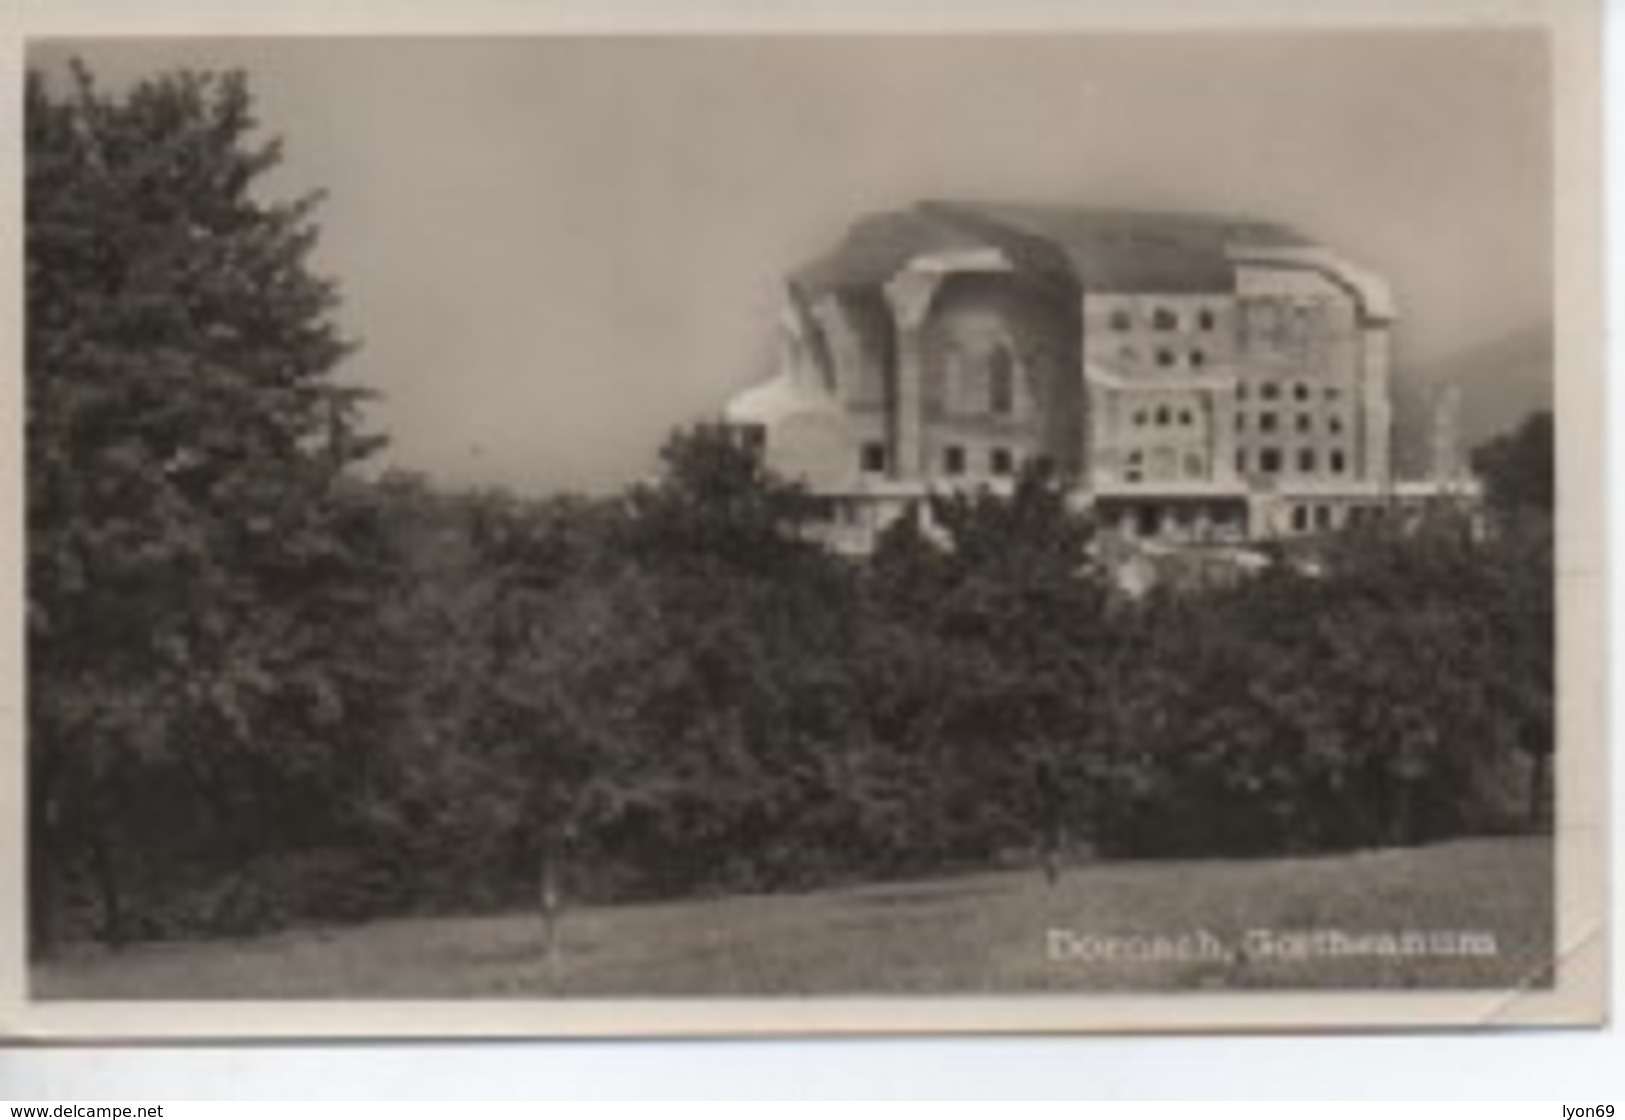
[(104, 871), (42, 872), (1539, 792), (43, 861)]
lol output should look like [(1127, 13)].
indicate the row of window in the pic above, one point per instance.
[(1163, 319), (1272, 459), (1319, 516), (1272, 390), (1219, 522), (1268, 421), (1262, 318), (1166, 358), (955, 461), (1192, 463), (1163, 417)]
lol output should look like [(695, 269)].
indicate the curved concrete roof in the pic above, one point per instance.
[(1105, 250)]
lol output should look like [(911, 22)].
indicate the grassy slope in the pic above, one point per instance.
[(977, 933)]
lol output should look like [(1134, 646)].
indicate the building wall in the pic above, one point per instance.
[(1261, 406), (1154, 435), (1151, 333), (1169, 418), (1000, 377), (854, 330), (1301, 398), (825, 450)]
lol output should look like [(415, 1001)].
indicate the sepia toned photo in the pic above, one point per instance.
[(738, 528)]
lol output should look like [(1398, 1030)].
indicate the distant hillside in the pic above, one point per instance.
[(1500, 382)]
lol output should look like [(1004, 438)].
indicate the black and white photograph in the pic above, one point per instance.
[(664, 530)]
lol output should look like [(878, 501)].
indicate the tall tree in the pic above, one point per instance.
[(193, 553), (1519, 468)]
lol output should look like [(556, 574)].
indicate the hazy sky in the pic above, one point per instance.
[(554, 250)]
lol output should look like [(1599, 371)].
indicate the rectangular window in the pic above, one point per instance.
[(1241, 462), (1339, 463), (1306, 459), (953, 460), (874, 458), (1269, 460), (1323, 517), (1001, 460), (1266, 421), (1305, 422)]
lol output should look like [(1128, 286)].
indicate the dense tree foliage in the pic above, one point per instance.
[(1519, 469), (265, 690), (198, 568)]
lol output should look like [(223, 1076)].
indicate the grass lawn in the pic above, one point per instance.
[(979, 933)]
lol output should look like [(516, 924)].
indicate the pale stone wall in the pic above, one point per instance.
[(823, 450), (856, 332), (984, 328), (1155, 436), (1151, 333), (1262, 406), (1302, 407)]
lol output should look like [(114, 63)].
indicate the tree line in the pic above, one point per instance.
[(267, 686)]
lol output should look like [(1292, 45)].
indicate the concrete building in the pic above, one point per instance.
[(1194, 379)]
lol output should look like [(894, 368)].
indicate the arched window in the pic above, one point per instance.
[(1001, 382)]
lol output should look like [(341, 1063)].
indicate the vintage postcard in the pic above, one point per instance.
[(838, 519)]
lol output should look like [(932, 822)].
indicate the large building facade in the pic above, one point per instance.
[(1192, 378)]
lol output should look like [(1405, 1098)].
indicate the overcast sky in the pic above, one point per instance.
[(554, 250)]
